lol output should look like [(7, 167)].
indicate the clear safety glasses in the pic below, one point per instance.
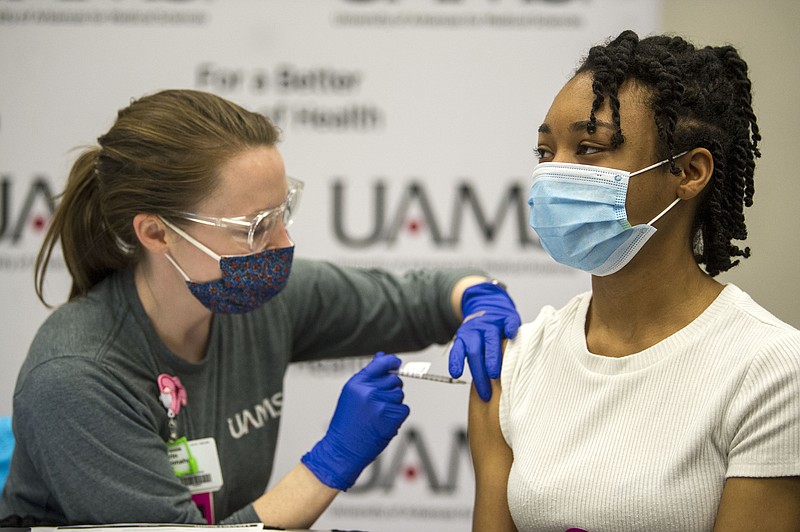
[(253, 233)]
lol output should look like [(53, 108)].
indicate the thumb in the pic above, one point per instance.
[(511, 326), (381, 364), (456, 365)]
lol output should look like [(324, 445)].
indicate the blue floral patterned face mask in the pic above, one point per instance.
[(247, 282)]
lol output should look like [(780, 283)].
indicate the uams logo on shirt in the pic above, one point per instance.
[(256, 417)]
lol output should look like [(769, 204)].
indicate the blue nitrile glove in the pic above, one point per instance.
[(489, 316), (368, 415)]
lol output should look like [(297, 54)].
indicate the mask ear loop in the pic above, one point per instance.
[(656, 165), (202, 247), (191, 240), (180, 270), (665, 211)]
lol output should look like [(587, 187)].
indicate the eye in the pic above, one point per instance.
[(542, 153), (584, 149), (239, 235), (267, 224), (259, 230)]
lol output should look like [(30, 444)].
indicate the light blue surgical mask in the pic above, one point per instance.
[(578, 211)]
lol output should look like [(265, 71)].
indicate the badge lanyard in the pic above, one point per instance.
[(173, 397), (195, 463)]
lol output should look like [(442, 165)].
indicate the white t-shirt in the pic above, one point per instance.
[(646, 441)]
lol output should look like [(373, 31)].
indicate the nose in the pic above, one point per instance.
[(563, 156)]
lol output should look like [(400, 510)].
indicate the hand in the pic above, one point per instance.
[(368, 415), (489, 316)]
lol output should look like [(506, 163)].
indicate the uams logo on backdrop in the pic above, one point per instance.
[(409, 459), (415, 212), (25, 207)]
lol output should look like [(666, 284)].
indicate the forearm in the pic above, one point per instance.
[(296, 501), (759, 504), (368, 415)]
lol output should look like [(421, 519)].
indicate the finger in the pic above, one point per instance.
[(392, 420), (492, 346), (387, 381), (381, 364), (472, 340), (456, 365), (511, 326), (398, 411), (393, 396), (480, 379)]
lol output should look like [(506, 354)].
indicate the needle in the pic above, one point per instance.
[(429, 377)]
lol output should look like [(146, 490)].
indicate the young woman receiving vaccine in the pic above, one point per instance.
[(155, 393), (662, 399)]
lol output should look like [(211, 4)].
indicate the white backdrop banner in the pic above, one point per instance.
[(412, 123)]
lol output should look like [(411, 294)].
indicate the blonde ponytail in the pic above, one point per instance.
[(90, 250)]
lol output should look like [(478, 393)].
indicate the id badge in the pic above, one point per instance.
[(196, 464)]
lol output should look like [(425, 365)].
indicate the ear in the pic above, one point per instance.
[(697, 168), (151, 232)]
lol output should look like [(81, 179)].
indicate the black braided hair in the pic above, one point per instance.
[(701, 97)]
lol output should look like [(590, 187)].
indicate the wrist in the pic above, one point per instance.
[(460, 288), (498, 282), (489, 290), (329, 466)]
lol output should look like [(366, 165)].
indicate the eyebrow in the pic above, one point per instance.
[(579, 126)]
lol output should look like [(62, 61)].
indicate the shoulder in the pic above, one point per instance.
[(77, 328), (765, 336), (524, 353), (744, 308), (764, 354), (308, 275), (52, 376), (81, 340), (302, 268), (550, 323), (319, 277), (68, 389)]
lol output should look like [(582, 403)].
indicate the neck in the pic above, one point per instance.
[(182, 323), (646, 302)]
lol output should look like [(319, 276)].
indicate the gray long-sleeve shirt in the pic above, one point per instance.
[(91, 431)]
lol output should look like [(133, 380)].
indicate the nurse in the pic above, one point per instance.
[(155, 394)]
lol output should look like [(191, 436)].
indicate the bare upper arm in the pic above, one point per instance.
[(759, 504), (491, 459)]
